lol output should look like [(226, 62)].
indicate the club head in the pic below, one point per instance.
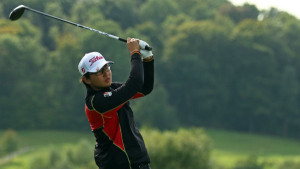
[(17, 12)]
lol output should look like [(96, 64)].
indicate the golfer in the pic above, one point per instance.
[(119, 144)]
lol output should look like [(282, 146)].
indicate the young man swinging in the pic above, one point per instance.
[(119, 144)]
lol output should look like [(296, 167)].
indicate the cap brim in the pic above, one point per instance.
[(99, 67)]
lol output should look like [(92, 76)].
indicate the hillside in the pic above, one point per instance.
[(230, 147), (227, 147)]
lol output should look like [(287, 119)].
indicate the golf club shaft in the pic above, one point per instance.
[(76, 24), (18, 12)]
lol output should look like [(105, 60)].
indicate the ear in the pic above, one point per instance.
[(86, 80)]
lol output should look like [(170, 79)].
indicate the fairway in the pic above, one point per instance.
[(230, 147), (39, 138), (227, 147)]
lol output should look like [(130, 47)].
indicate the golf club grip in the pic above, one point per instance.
[(146, 47), (123, 40)]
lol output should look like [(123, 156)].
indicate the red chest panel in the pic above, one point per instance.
[(110, 123)]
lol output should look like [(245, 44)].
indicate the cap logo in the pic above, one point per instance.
[(83, 70), (95, 59)]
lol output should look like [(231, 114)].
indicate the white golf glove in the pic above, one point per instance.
[(145, 53)]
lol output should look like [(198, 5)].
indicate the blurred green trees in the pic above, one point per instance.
[(184, 148), (217, 65), (188, 149), (9, 142), (78, 156)]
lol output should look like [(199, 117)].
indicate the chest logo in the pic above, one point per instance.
[(107, 94)]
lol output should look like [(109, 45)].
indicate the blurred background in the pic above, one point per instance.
[(226, 90)]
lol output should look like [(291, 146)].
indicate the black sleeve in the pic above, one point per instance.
[(103, 103), (148, 77)]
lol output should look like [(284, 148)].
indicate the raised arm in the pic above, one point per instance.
[(109, 99)]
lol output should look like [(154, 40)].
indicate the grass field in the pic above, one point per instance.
[(230, 147), (227, 147), (37, 143)]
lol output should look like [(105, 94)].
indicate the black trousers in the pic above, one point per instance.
[(141, 166)]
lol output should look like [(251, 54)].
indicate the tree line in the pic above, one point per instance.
[(217, 65)]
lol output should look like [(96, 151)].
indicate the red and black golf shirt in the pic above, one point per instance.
[(119, 144)]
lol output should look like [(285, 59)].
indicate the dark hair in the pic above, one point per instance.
[(87, 75)]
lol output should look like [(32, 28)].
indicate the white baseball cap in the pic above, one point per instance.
[(92, 62)]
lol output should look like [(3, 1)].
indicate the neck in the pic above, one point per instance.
[(97, 88)]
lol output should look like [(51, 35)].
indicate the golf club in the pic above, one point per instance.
[(19, 10)]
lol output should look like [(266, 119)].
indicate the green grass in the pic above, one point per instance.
[(45, 137), (230, 147), (40, 142), (227, 147), (39, 138)]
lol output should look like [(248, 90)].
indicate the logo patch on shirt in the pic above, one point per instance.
[(107, 94)]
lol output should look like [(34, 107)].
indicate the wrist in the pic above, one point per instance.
[(136, 51), (148, 59)]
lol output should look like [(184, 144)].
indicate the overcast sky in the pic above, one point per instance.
[(290, 6)]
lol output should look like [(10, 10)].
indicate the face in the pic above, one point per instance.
[(100, 79)]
